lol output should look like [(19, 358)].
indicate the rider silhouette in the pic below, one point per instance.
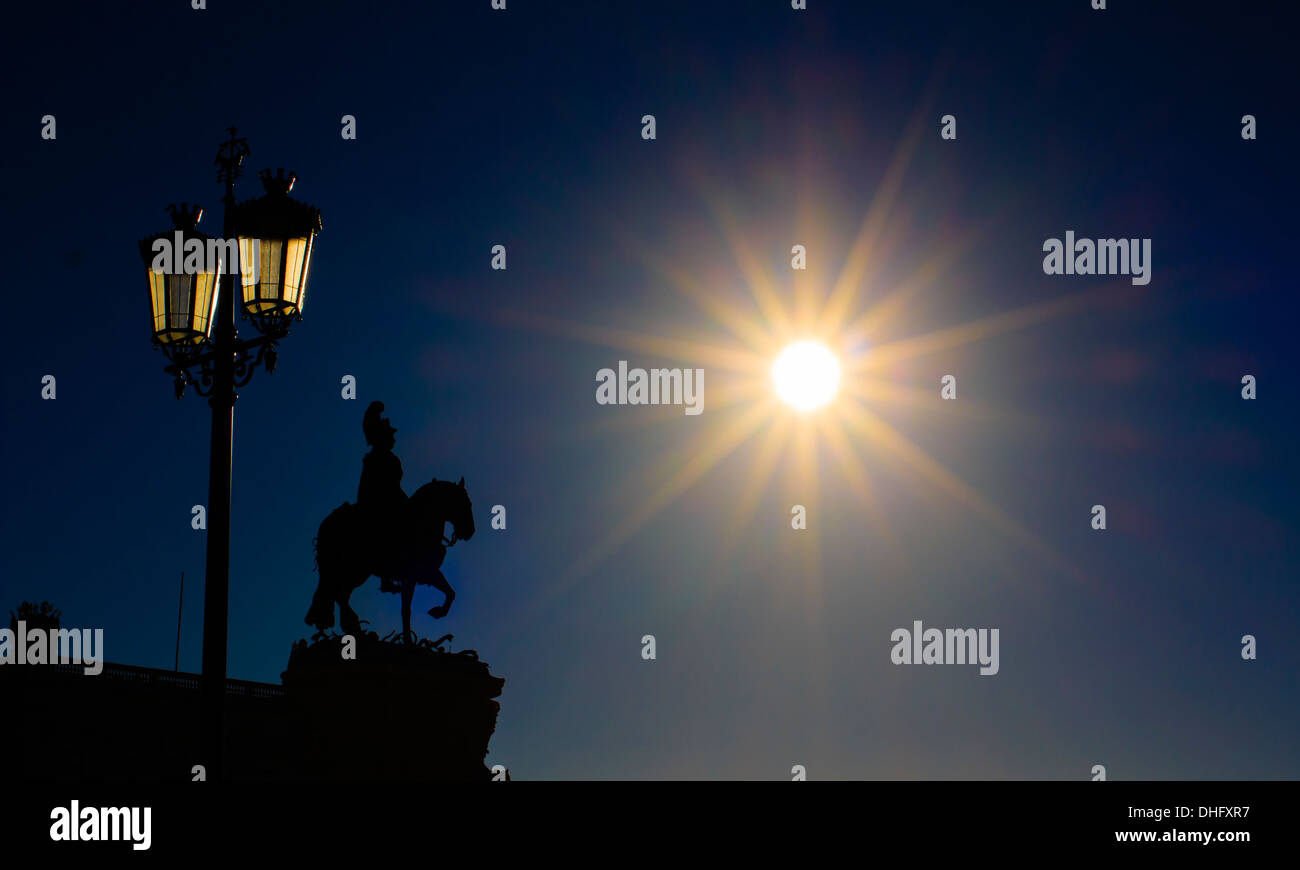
[(380, 496)]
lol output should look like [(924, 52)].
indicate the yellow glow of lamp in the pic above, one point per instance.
[(276, 234), (182, 301)]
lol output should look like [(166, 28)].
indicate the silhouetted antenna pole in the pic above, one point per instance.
[(180, 607)]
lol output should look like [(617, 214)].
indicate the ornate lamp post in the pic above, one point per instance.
[(260, 266)]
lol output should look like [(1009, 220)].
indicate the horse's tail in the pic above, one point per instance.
[(321, 612), (329, 532)]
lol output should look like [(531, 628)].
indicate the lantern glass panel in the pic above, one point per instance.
[(183, 306), (248, 258), (272, 274), (297, 254)]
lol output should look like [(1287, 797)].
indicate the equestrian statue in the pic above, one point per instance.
[(397, 538)]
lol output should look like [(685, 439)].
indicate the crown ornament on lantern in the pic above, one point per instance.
[(280, 183), (185, 216), (276, 214)]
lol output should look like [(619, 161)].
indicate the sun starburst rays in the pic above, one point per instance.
[(858, 316), (861, 254), (704, 457), (850, 430)]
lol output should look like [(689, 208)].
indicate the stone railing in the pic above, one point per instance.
[(154, 677)]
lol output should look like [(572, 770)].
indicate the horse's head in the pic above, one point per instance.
[(441, 501)]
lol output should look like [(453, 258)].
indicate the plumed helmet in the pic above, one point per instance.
[(375, 426)]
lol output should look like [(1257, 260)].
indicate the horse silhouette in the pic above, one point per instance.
[(348, 552)]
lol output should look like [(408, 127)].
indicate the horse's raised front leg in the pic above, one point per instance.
[(440, 583)]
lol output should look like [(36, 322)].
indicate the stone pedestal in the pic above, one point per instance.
[(396, 711)]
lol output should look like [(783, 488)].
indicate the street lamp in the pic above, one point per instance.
[(192, 295), (183, 303), (275, 240)]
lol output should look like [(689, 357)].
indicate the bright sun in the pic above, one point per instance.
[(806, 375), (765, 373)]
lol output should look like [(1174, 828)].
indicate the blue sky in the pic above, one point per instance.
[(523, 128)]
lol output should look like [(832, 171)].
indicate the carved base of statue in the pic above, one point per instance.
[(366, 708)]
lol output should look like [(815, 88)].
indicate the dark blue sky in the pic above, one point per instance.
[(523, 128)]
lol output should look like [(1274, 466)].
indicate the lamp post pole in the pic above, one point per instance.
[(217, 362), (216, 585)]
